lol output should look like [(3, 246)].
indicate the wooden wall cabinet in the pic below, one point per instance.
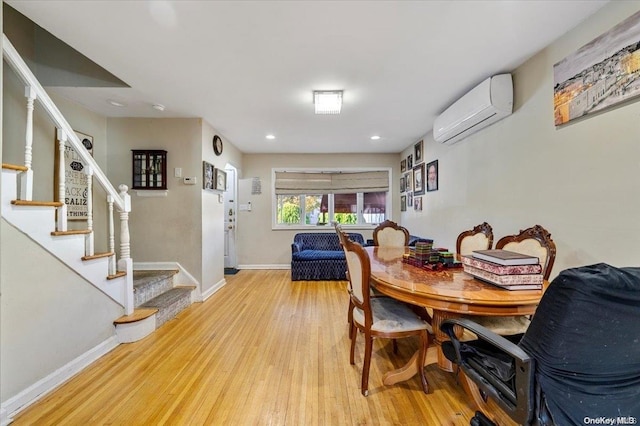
[(149, 169)]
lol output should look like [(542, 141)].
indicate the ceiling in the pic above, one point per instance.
[(249, 67)]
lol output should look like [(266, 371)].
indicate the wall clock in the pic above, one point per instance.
[(217, 145)]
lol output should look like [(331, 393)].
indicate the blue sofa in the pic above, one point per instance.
[(319, 256)]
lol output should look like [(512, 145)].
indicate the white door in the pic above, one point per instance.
[(230, 216)]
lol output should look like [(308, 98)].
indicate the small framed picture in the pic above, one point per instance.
[(403, 203), (410, 199), (418, 179), (403, 166), (410, 161), (221, 180), (208, 177), (432, 176), (408, 180), (418, 152), (417, 204), (402, 185)]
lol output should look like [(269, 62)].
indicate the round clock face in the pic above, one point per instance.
[(217, 145)]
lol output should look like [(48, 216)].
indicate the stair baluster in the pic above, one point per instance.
[(126, 263), (61, 224), (89, 246), (112, 242), (26, 178)]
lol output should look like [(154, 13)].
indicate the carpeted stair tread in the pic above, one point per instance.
[(167, 298), (149, 284), (169, 304), (142, 278)]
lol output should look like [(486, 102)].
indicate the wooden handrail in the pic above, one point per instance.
[(22, 70)]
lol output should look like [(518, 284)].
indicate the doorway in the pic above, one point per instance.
[(230, 220)]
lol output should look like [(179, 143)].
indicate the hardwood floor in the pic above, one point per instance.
[(263, 350)]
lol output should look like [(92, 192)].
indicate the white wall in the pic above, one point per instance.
[(258, 244), (580, 181), (49, 315), (213, 213), (163, 229)]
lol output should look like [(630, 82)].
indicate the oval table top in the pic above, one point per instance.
[(450, 290)]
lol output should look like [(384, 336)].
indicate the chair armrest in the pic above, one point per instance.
[(296, 247), (517, 402)]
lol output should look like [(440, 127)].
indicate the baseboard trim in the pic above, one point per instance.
[(217, 286), (272, 266), (42, 387)]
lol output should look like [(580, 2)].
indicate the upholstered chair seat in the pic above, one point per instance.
[(378, 317)]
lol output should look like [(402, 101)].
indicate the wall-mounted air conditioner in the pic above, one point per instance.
[(488, 102)]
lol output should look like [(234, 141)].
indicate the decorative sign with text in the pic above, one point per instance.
[(76, 187)]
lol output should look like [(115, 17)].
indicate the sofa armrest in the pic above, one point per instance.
[(296, 247)]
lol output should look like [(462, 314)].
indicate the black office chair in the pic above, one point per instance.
[(579, 360)]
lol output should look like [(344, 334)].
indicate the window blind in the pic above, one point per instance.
[(331, 182)]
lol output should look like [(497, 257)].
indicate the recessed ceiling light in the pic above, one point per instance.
[(270, 137), (115, 103), (375, 137), (158, 107)]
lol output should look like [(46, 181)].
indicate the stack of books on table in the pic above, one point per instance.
[(505, 269)]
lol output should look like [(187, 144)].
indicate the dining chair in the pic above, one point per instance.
[(379, 317), (390, 234), (534, 241), (478, 238), (577, 361)]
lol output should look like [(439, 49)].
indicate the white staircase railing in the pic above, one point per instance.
[(65, 135)]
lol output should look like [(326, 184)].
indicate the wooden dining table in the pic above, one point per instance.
[(449, 292)]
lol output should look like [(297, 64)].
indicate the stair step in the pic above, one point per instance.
[(14, 167), (36, 203), (151, 283), (137, 315), (72, 232), (98, 255), (118, 274), (169, 304)]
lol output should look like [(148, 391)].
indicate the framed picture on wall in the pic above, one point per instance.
[(221, 180), (208, 177), (403, 166), (417, 204), (418, 152), (599, 75), (410, 199), (403, 203), (418, 179), (432, 176), (402, 185), (76, 179), (408, 180), (410, 161)]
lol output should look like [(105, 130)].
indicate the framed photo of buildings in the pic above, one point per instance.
[(603, 73)]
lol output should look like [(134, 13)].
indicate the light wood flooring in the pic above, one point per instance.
[(263, 350)]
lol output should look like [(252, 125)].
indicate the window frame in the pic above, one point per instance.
[(359, 197)]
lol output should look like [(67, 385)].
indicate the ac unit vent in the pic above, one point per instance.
[(490, 101)]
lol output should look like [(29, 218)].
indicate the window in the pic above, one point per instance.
[(317, 198)]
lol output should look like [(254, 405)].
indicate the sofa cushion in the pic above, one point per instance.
[(319, 255)]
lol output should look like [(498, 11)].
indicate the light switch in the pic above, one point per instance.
[(177, 172)]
